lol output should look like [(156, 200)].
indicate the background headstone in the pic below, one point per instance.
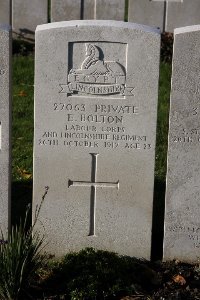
[(5, 119), (88, 9), (65, 10), (110, 10), (5, 11), (182, 13), (147, 12), (182, 222), (26, 15), (96, 88)]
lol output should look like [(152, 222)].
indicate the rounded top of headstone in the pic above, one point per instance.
[(187, 29), (99, 23)]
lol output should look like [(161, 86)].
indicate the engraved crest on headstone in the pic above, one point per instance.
[(97, 76)]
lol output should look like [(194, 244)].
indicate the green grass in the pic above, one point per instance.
[(22, 123), (21, 257), (126, 11), (162, 121)]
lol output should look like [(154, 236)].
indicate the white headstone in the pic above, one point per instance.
[(87, 9), (147, 12), (182, 13), (96, 87), (182, 222), (5, 11), (5, 119), (26, 15), (65, 10), (110, 10)]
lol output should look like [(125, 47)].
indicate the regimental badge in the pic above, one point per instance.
[(97, 76)]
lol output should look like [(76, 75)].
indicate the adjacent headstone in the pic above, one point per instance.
[(5, 11), (26, 15), (147, 12), (182, 223), (182, 13), (65, 10), (110, 10), (5, 119), (165, 14), (96, 88), (87, 10)]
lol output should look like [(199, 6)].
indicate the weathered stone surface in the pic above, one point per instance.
[(110, 10), (65, 10), (26, 15), (4, 11), (5, 119), (182, 223), (147, 12), (182, 13), (96, 87), (87, 9)]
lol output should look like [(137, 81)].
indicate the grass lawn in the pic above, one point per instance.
[(22, 120)]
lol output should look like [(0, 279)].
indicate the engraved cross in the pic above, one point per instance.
[(93, 184)]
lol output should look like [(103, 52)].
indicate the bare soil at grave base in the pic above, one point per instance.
[(131, 280), (172, 280)]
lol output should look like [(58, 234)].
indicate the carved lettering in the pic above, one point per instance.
[(86, 144), (102, 108), (94, 126), (48, 142), (101, 119), (69, 107), (191, 232)]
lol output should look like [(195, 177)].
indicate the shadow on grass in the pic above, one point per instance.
[(21, 197), (22, 47), (96, 274)]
